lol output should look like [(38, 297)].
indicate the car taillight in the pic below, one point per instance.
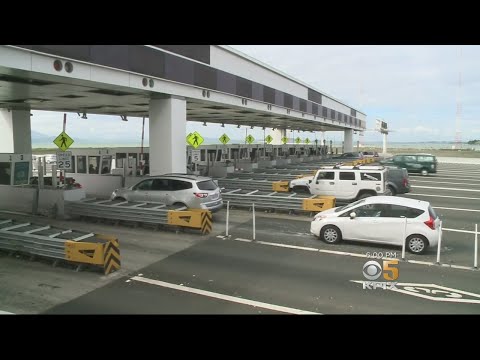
[(201, 195), (430, 223), (405, 182)]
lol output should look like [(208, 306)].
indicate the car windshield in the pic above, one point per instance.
[(349, 206), (207, 185)]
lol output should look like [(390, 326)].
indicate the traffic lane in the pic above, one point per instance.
[(466, 184), (449, 200), (135, 297), (446, 176), (304, 280), (456, 248)]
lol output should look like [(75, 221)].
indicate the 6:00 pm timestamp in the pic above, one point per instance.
[(381, 255)]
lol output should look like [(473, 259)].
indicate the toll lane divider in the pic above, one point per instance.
[(72, 246), (138, 212), (278, 200)]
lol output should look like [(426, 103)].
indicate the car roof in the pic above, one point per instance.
[(395, 200), (416, 154), (181, 176)]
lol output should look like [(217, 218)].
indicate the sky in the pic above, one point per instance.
[(414, 89)]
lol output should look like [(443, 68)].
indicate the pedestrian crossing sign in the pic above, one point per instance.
[(195, 139), (249, 139), (284, 139), (269, 139), (224, 139), (63, 141), (307, 141), (298, 140)]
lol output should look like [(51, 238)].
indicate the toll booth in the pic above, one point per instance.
[(15, 169)]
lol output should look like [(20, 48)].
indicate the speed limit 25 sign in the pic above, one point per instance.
[(64, 160)]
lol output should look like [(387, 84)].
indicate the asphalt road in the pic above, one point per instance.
[(236, 277), (286, 270)]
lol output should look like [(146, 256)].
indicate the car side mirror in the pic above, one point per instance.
[(353, 215)]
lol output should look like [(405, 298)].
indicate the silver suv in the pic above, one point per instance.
[(192, 191)]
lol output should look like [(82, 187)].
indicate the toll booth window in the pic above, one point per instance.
[(106, 164), (202, 155), (5, 173), (93, 164), (219, 155), (72, 169), (120, 159), (81, 164), (132, 159)]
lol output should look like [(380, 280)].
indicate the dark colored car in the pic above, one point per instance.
[(397, 180), (419, 163), (349, 156)]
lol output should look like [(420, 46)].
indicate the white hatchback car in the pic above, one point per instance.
[(380, 219)]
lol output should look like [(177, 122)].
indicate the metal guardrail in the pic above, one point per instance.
[(138, 212), (73, 246), (272, 200)]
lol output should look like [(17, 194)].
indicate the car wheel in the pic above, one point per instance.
[(424, 172), (392, 190), (417, 244), (180, 204), (300, 189), (331, 234)]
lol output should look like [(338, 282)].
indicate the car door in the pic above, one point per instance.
[(323, 183), (140, 191), (393, 222), (159, 191), (364, 226), (346, 187)]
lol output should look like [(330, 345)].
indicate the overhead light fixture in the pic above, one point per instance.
[(238, 126), (263, 128), (223, 124), (204, 123), (251, 127), (123, 117), (273, 129), (84, 116)]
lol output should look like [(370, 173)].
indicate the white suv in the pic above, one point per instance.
[(344, 182)]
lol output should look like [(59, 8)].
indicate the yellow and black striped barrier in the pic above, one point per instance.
[(105, 252), (319, 203), (280, 186), (193, 218)]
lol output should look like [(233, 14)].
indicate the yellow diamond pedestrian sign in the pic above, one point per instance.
[(298, 140), (269, 139), (195, 139), (188, 137), (63, 141), (249, 139), (284, 139), (224, 139), (307, 141)]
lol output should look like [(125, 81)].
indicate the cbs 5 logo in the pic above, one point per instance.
[(372, 270)]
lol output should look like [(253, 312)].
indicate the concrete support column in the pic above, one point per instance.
[(167, 129), (16, 133), (277, 136), (348, 140)]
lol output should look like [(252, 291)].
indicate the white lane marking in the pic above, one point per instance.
[(444, 182), (460, 231), (413, 290), (446, 177), (456, 209), (6, 313), (444, 196), (234, 299), (288, 246), (344, 253), (241, 239), (444, 188)]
